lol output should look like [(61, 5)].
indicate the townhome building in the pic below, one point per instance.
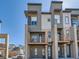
[(53, 34)]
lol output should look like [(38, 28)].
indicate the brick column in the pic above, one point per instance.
[(75, 44), (7, 46), (46, 36), (46, 54), (46, 46), (55, 43), (27, 40), (65, 51)]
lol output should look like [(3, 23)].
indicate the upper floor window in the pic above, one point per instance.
[(49, 34), (34, 38), (57, 18), (33, 20), (48, 20), (66, 19)]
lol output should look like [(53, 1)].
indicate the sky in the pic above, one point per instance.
[(14, 20)]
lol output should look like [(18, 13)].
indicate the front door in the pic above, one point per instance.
[(37, 52)]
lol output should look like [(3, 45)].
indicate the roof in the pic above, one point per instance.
[(34, 4), (57, 2), (45, 12), (72, 9), (68, 11)]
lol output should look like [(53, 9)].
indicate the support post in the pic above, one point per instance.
[(7, 46), (55, 42), (65, 53), (46, 54), (75, 44)]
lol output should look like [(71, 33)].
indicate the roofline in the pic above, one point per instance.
[(74, 14), (68, 11), (72, 9), (26, 12), (45, 12), (57, 1), (34, 3)]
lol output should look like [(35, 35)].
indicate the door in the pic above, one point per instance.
[(37, 52)]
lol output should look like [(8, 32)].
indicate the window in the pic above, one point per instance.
[(57, 18), (33, 20), (40, 37), (43, 52), (66, 19), (49, 50), (34, 38), (49, 34), (35, 51), (48, 20), (67, 31), (68, 49)]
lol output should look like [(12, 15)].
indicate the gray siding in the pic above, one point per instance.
[(38, 9), (34, 8)]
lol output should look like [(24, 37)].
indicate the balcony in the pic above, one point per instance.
[(37, 38), (61, 38), (66, 58)]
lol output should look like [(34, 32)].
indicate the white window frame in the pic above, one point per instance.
[(57, 18), (67, 19), (33, 18)]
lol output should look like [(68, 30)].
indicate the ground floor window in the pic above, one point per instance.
[(68, 50), (35, 51), (49, 52), (61, 52)]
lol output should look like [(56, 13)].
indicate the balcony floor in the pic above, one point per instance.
[(36, 43), (63, 42)]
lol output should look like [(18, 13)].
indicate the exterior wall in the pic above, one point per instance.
[(64, 22), (45, 24), (27, 38), (38, 25), (36, 8), (54, 21), (56, 5), (75, 12)]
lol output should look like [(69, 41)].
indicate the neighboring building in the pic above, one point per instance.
[(16, 52), (11, 46), (2, 50), (53, 34)]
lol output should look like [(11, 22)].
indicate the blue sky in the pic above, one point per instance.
[(13, 18)]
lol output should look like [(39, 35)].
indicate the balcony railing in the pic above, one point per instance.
[(38, 40)]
